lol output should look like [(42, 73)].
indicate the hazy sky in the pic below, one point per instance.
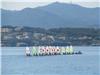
[(53, 0), (20, 4)]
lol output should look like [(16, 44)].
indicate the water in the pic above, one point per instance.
[(14, 62)]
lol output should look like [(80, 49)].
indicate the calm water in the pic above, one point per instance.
[(14, 62)]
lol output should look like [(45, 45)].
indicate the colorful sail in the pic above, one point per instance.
[(50, 50), (33, 51), (67, 49)]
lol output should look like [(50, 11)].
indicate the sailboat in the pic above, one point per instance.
[(51, 50), (27, 51), (71, 49)]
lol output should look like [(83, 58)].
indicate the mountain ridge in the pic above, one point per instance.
[(52, 16)]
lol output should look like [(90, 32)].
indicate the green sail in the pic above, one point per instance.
[(67, 49), (34, 51)]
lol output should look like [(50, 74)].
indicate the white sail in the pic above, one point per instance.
[(71, 49), (27, 50), (63, 50), (58, 50)]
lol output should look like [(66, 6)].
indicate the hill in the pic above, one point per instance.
[(54, 15)]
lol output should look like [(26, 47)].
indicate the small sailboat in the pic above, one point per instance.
[(27, 51), (51, 50), (71, 49), (63, 51), (34, 51), (58, 50)]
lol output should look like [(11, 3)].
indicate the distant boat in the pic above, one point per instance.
[(27, 51), (51, 50)]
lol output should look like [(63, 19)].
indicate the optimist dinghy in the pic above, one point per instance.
[(50, 50)]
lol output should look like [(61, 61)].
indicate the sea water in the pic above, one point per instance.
[(14, 62)]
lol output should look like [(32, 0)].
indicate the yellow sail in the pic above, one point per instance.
[(67, 49)]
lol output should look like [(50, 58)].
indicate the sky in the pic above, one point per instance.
[(20, 4), (53, 0)]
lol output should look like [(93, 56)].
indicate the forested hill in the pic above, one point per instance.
[(52, 16)]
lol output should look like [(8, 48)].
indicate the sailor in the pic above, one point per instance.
[(28, 53)]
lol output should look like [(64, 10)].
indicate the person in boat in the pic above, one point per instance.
[(28, 52), (79, 52)]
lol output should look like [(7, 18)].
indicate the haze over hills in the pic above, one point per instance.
[(52, 16)]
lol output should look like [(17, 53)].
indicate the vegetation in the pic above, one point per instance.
[(29, 36)]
